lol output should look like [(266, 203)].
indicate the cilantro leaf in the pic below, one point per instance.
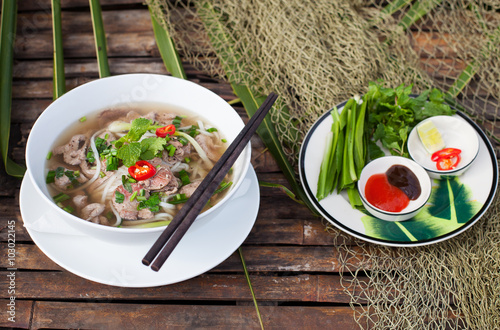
[(152, 203)]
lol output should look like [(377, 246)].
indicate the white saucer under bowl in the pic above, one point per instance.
[(208, 242)]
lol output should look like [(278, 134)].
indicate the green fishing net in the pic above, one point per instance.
[(316, 54)]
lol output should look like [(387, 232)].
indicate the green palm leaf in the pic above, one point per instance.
[(7, 37), (59, 81), (167, 49), (100, 38)]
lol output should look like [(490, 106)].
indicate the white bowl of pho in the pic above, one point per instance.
[(117, 157)]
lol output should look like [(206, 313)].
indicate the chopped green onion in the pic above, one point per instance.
[(83, 119), (49, 155), (223, 186), (126, 184), (223, 140), (177, 121), (61, 197), (131, 180), (51, 175), (212, 129), (102, 174), (132, 197), (68, 209), (171, 150), (119, 197), (187, 160), (184, 176), (90, 157), (192, 131), (111, 163), (142, 192), (141, 198), (106, 136), (77, 174), (59, 171), (178, 199), (183, 140)]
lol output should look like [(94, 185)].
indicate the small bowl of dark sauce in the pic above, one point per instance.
[(394, 188)]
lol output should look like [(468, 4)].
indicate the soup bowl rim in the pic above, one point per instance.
[(128, 80)]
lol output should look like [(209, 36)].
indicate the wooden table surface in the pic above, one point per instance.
[(292, 259)]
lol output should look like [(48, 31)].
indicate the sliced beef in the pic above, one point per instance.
[(134, 115), (75, 151), (108, 116), (64, 182), (128, 209), (189, 189), (100, 220), (92, 210), (165, 118), (80, 201), (211, 149), (181, 152), (163, 180)]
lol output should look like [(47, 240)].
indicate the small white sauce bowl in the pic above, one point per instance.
[(381, 165), (456, 133), (119, 90)]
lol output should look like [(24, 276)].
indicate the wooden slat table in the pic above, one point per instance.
[(291, 258)]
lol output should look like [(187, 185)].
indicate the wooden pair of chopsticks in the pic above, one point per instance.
[(174, 232)]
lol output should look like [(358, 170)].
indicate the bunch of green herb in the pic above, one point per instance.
[(394, 112)]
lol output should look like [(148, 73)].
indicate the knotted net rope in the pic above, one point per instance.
[(317, 54)]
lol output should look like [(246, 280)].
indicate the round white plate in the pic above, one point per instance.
[(208, 242), (472, 194)]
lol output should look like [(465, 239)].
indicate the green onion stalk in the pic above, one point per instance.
[(7, 37)]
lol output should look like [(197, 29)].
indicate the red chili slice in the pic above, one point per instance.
[(445, 153), (447, 158), (142, 170), (165, 130), (448, 163)]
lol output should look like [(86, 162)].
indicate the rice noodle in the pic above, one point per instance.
[(112, 180), (197, 147), (165, 205), (119, 219), (179, 166), (201, 125)]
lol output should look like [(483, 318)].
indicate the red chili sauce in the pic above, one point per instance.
[(392, 191)]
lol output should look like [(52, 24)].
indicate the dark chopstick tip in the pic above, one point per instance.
[(145, 262)]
